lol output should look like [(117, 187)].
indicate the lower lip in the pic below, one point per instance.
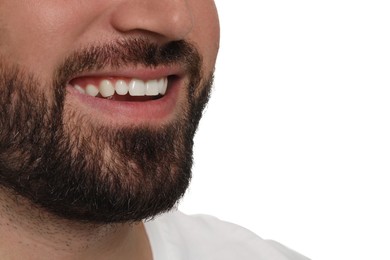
[(126, 112)]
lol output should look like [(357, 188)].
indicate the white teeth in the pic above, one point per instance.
[(106, 88), (92, 90), (162, 86), (121, 87), (135, 87), (80, 89), (152, 88)]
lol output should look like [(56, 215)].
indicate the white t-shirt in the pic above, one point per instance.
[(176, 236)]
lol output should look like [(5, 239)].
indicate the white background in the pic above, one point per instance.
[(295, 143)]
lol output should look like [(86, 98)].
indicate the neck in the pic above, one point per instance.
[(28, 232)]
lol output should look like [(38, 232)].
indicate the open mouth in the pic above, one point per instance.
[(123, 89), (144, 98)]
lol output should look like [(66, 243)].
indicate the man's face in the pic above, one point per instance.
[(99, 102)]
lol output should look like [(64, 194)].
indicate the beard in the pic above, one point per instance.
[(61, 162)]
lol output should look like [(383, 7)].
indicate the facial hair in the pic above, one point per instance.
[(60, 161)]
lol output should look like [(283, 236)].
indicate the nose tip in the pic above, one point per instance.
[(170, 19)]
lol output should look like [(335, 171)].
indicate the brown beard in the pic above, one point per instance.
[(58, 160)]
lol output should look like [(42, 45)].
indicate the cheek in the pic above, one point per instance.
[(36, 35), (206, 33), (28, 37)]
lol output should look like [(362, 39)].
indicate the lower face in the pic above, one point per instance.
[(66, 144)]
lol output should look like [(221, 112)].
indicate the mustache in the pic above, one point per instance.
[(130, 51)]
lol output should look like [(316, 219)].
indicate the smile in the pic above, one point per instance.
[(123, 99), (134, 87), (123, 89)]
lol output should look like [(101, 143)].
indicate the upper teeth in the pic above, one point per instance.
[(134, 87)]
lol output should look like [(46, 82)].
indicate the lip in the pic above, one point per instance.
[(136, 72), (124, 113)]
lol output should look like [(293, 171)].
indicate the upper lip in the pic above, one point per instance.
[(143, 73)]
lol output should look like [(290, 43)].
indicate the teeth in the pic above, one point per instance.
[(162, 86), (106, 88), (152, 88), (92, 90), (80, 89), (121, 87), (135, 87)]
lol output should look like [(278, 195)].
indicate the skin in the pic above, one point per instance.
[(37, 36)]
